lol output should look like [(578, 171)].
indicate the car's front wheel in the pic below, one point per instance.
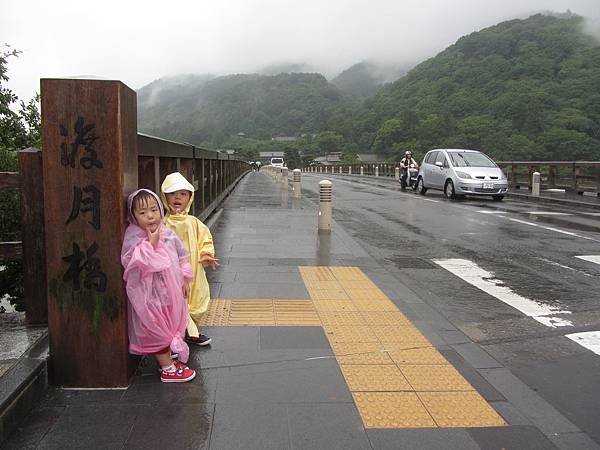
[(449, 190), (497, 198), (421, 189)]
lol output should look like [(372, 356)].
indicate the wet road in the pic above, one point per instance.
[(515, 277)]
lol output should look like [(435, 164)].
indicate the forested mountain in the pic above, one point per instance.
[(523, 89), (211, 110)]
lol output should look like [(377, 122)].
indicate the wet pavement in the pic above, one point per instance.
[(307, 355)]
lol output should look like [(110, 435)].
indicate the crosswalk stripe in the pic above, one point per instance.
[(487, 282), (591, 258)]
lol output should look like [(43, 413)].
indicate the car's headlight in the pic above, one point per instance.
[(463, 175)]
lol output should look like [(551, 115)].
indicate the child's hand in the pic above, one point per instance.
[(213, 262), (154, 236), (186, 290)]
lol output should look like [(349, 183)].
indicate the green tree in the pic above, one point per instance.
[(17, 130)]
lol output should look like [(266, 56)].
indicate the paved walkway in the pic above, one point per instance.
[(315, 346)]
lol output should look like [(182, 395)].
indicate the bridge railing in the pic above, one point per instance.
[(213, 174), (576, 176)]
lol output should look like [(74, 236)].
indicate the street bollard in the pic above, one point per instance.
[(284, 175), (362, 171), (325, 189), (535, 184), (340, 170), (376, 171), (397, 173), (349, 170), (297, 183)]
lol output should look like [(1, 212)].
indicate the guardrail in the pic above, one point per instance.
[(576, 176), (213, 174)]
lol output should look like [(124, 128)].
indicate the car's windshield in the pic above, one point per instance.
[(276, 160), (470, 159)]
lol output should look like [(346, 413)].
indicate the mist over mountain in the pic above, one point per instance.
[(525, 88), (208, 110), (364, 79)]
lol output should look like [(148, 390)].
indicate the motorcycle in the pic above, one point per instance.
[(409, 177)]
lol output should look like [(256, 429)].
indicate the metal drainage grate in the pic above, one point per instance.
[(410, 262)]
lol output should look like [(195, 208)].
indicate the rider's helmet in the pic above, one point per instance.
[(407, 153)]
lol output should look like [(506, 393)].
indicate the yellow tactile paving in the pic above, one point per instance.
[(358, 333), (360, 353), (328, 294), (443, 378), (460, 409), (217, 313), (333, 318), (397, 378), (348, 273), (392, 410), (366, 294), (322, 284), (317, 273), (334, 305), (290, 312), (374, 378), (251, 312), (426, 355), (407, 336), (374, 305), (391, 318)]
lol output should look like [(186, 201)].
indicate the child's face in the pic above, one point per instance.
[(178, 200), (148, 215)]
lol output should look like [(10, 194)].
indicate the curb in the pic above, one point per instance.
[(559, 201), (23, 386)]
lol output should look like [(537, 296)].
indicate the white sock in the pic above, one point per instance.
[(170, 368)]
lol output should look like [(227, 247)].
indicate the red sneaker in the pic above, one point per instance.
[(177, 363), (179, 375)]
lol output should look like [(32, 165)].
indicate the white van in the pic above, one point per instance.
[(277, 162)]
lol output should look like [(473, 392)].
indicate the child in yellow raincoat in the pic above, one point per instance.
[(178, 195)]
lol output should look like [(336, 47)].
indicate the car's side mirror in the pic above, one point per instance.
[(439, 164)]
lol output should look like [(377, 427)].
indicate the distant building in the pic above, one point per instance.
[(284, 138), (329, 159)]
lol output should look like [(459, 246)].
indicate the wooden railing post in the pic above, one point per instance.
[(32, 237)]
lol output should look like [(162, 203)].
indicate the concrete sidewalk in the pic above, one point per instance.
[(315, 346)]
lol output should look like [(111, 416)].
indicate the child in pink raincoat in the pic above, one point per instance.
[(157, 273)]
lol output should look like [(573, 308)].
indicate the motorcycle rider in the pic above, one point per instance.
[(405, 164)]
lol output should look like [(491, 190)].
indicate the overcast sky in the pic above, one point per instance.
[(140, 41)]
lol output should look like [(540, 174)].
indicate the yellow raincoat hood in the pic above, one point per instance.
[(175, 182)]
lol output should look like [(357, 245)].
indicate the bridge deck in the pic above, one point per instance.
[(316, 344)]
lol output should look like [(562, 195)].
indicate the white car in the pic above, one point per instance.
[(460, 172), (277, 162)]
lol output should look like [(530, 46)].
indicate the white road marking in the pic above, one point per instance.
[(487, 211), (588, 339), (486, 281), (569, 233), (591, 214), (547, 213), (590, 258), (554, 263), (430, 200)]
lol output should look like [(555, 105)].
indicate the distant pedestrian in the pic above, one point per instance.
[(178, 194), (157, 273)]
